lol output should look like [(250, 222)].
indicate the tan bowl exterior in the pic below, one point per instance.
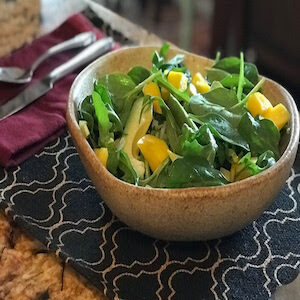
[(187, 214)]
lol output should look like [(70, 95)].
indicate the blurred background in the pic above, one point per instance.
[(267, 31)]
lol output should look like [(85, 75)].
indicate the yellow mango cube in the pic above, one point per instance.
[(278, 114), (102, 155), (197, 77), (202, 87), (200, 83), (258, 104), (84, 128), (178, 80), (152, 89), (154, 150)]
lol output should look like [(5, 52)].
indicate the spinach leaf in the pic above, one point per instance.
[(174, 64), (222, 129), (266, 160), (216, 85), (164, 49), (232, 66), (179, 113), (117, 85), (129, 173), (221, 155), (157, 61), (113, 117), (104, 125), (113, 159), (261, 135), (101, 90), (86, 112), (221, 96), (117, 125), (213, 74), (191, 171), (124, 92), (251, 72), (172, 128), (232, 80), (200, 143), (198, 105), (138, 74), (229, 64)]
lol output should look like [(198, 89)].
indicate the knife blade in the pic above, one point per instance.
[(131, 31), (26, 97), (41, 87)]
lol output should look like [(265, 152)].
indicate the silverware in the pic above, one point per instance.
[(41, 87), (131, 31), (18, 75)]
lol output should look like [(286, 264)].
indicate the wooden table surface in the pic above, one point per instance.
[(27, 269)]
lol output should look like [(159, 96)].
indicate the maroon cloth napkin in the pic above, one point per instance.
[(28, 131)]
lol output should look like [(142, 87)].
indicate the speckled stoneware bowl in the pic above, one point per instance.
[(187, 214)]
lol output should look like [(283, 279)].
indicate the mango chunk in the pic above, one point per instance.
[(258, 104), (154, 150), (102, 155), (152, 89), (197, 77), (202, 87), (178, 80), (278, 114), (200, 83), (84, 128)]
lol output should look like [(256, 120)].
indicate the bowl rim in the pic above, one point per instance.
[(190, 191)]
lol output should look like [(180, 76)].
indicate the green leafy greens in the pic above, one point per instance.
[(198, 136)]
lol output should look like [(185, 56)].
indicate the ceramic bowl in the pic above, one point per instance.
[(187, 214)]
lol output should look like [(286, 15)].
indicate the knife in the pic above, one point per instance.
[(131, 31), (41, 87)]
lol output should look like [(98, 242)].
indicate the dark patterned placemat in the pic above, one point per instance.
[(51, 197)]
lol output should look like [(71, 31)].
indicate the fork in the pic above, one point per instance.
[(18, 75)]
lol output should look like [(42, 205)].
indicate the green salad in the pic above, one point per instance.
[(168, 128)]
